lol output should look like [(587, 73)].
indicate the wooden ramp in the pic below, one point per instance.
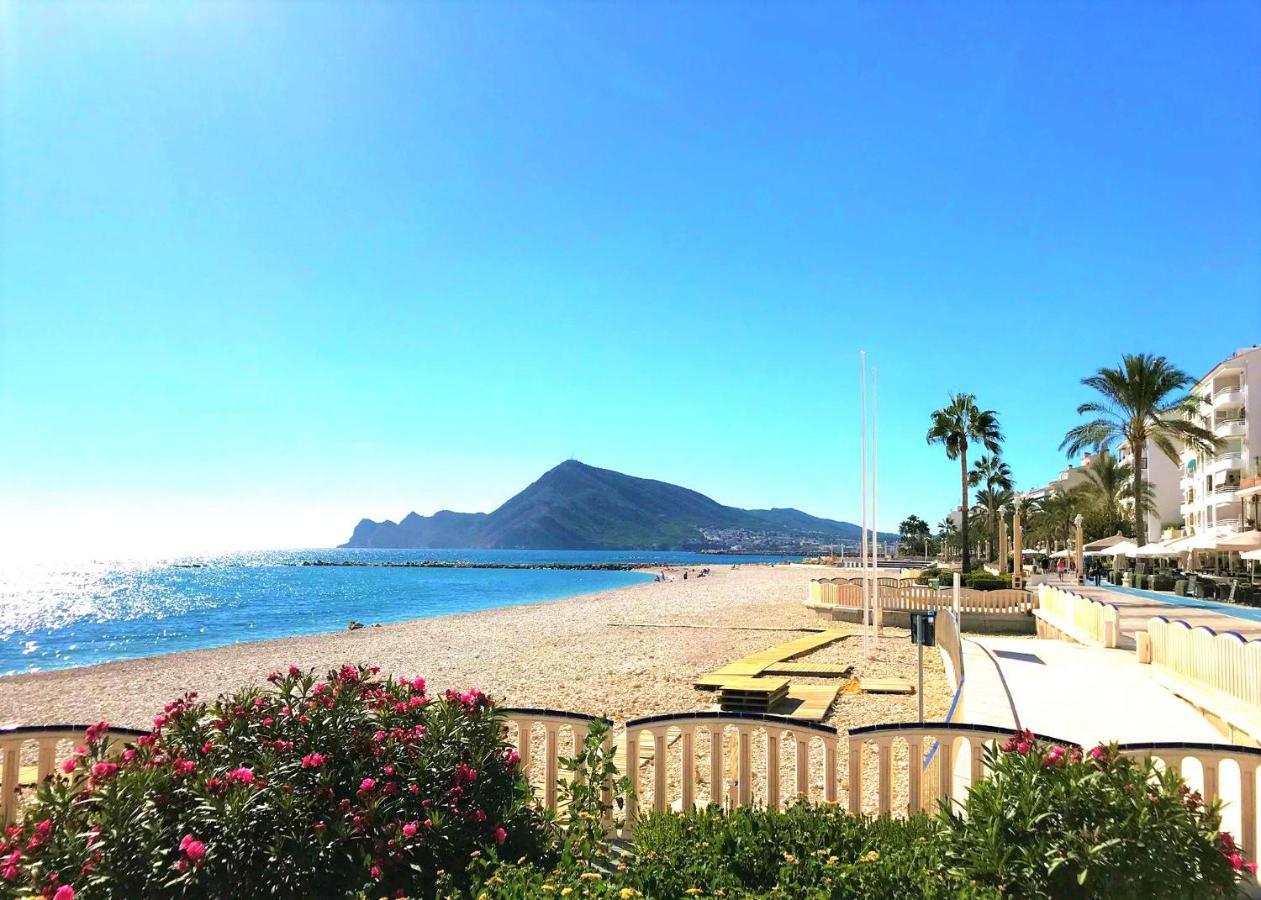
[(758, 663), (809, 702)]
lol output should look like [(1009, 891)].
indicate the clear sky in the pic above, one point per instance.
[(268, 268)]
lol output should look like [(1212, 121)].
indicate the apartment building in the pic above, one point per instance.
[(1069, 478), (1217, 489), (1163, 474)]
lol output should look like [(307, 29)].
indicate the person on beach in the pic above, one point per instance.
[(1059, 570)]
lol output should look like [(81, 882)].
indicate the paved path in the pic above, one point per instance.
[(1138, 606), (1073, 692)]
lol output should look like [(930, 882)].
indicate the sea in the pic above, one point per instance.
[(57, 615)]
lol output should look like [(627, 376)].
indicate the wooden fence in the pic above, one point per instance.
[(912, 765), (1224, 662), (900, 596), (1064, 615)]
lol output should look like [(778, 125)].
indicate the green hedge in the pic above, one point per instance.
[(1163, 582), (984, 581), (1180, 587)]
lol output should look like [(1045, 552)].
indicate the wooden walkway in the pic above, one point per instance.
[(759, 663), (763, 671)]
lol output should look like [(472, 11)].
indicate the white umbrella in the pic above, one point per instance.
[(1251, 554), (1104, 543), (1248, 540), (1160, 548)]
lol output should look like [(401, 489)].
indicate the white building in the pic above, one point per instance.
[(1216, 487), (1162, 473), (1071, 477)]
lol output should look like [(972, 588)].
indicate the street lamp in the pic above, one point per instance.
[(1078, 522)]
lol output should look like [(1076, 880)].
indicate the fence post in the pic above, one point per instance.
[(955, 593)]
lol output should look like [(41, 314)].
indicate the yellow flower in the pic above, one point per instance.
[(873, 856), (693, 891), (627, 893), (565, 892), (590, 876), (548, 889), (789, 858), (831, 860)]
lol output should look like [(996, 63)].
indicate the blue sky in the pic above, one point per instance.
[(269, 268)]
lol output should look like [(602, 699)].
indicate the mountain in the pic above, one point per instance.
[(579, 507)]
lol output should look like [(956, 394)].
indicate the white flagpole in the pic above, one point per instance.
[(862, 356), (876, 612)]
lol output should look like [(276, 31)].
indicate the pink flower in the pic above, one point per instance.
[(418, 685), (313, 760), (379, 736), (184, 766), (1097, 753), (499, 834), (512, 759), (294, 671), (375, 872), (367, 784), (65, 892), (1250, 868), (192, 848), (410, 829), (69, 765), (465, 774), (1236, 860), (242, 775), (129, 754), (103, 770)]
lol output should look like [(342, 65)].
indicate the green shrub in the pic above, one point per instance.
[(1180, 587), (1052, 822), (1140, 580), (305, 789), (925, 576), (984, 581), (1161, 582)]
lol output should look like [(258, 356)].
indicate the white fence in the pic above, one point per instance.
[(900, 595), (1068, 616)]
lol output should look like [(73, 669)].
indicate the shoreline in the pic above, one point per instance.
[(576, 653)]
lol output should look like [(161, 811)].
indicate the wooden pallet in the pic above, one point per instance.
[(889, 685), (752, 694)]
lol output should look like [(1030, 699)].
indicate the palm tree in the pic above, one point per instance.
[(991, 504), (956, 426), (995, 476), (1053, 521), (945, 531), (1108, 483), (1141, 402)]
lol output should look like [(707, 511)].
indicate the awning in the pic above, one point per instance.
[(1030, 552), (1247, 540), (1251, 554), (1105, 543), (1061, 554)]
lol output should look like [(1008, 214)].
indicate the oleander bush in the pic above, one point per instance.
[(360, 787), (349, 785), (1054, 822)]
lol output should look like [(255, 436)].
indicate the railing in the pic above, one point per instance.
[(1224, 662), (48, 741), (950, 643), (724, 746), (1219, 772), (1063, 614), (847, 593), (553, 724)]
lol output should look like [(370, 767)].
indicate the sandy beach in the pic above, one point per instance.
[(587, 654)]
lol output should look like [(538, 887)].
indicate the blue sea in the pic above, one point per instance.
[(59, 615)]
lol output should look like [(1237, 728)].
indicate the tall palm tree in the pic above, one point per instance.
[(945, 532), (1053, 520), (1108, 482), (995, 477), (956, 426), (1142, 400)]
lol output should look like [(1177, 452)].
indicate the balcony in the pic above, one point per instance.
[(1227, 397), (1228, 427), (1226, 461)]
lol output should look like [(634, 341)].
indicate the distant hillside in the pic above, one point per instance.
[(579, 507)]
